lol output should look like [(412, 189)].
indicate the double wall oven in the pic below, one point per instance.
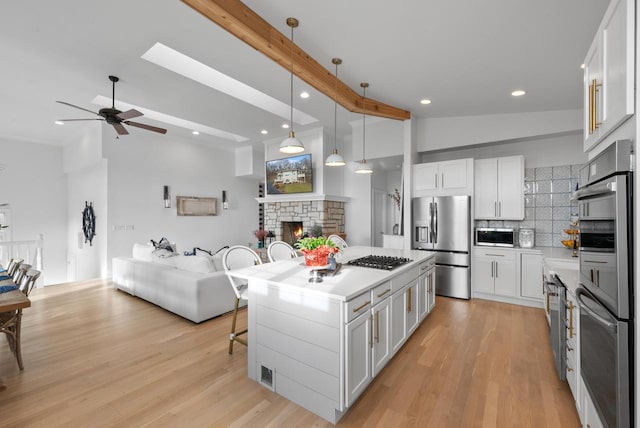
[(606, 292)]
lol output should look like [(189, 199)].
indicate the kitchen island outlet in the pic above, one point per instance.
[(320, 344)]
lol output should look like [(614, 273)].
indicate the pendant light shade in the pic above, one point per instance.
[(334, 159), (362, 167), (291, 144)]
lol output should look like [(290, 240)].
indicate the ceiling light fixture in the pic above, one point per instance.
[(264, 132), (285, 125), (425, 101), (291, 144), (195, 132), (304, 95), (59, 122), (583, 66), (362, 167), (334, 159), (518, 93)]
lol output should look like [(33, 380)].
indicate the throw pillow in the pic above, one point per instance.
[(142, 252)]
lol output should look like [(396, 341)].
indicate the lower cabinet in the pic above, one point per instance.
[(495, 272), (413, 305), (591, 418), (381, 319), (358, 356), (531, 276), (427, 288), (398, 319)]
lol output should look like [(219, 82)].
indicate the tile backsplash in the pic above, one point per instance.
[(547, 204)]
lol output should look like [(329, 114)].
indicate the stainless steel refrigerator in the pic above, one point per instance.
[(442, 224)]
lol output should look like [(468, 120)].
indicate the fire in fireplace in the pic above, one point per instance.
[(291, 231)]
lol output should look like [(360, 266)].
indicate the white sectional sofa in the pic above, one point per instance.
[(194, 287)]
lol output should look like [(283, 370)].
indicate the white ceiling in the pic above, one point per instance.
[(466, 56)]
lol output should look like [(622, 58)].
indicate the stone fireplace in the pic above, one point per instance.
[(327, 214), (292, 231)]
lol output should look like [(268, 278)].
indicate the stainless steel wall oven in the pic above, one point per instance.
[(605, 295)]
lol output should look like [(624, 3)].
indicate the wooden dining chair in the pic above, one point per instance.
[(280, 250), (234, 258), (11, 267), (29, 281)]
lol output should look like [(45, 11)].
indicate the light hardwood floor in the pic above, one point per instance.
[(95, 356)]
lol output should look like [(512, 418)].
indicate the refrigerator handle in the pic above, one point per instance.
[(435, 223), (430, 222)]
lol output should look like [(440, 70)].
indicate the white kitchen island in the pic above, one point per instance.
[(320, 344)]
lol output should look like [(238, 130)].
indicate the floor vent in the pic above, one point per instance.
[(266, 377)]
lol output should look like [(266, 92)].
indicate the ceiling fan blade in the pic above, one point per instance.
[(76, 120), (121, 130), (147, 127), (129, 114), (81, 108)]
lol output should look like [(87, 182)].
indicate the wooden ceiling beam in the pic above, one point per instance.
[(235, 17)]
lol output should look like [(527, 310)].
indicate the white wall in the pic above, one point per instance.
[(87, 260), (384, 138), (34, 184), (138, 168), (447, 132), (538, 152)]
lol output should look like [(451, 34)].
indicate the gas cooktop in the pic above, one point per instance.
[(380, 262)]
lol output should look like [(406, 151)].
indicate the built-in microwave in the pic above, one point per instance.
[(495, 237)]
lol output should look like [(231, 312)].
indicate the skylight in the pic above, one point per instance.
[(101, 100), (190, 68)]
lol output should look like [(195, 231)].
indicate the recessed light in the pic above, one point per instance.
[(195, 132), (425, 101), (59, 122), (518, 93), (264, 132), (304, 95), (285, 125), (583, 65)]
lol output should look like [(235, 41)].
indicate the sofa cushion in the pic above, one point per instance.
[(199, 264), (143, 252)]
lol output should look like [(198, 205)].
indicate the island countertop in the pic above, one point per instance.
[(349, 282)]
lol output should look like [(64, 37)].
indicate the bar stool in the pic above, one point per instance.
[(234, 258)]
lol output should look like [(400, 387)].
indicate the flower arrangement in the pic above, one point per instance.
[(316, 250), (260, 235), (396, 197)]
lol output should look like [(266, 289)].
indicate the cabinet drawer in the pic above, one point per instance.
[(358, 305), (381, 292), (496, 254), (404, 278)]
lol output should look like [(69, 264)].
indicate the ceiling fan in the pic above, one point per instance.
[(115, 117)]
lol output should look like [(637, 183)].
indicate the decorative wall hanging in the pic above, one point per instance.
[(88, 222), (194, 206)]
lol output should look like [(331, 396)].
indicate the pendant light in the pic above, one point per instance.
[(362, 167), (334, 159), (291, 144)]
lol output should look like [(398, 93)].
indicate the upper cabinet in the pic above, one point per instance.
[(499, 188), (443, 178), (609, 74)]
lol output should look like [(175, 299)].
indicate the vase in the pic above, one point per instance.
[(316, 258)]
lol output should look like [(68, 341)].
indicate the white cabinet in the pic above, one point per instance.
[(499, 188), (609, 73), (381, 349), (431, 289), (574, 379), (443, 178), (531, 276), (398, 319), (591, 418), (413, 305), (358, 356), (427, 288), (495, 272)]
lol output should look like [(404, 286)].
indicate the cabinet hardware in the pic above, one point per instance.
[(364, 305), (496, 269), (591, 272), (569, 369), (409, 300), (571, 306), (569, 349), (597, 277), (384, 292), (495, 255), (495, 208), (378, 326), (492, 269), (371, 330), (442, 180), (594, 105), (436, 174), (499, 209), (590, 92), (548, 304)]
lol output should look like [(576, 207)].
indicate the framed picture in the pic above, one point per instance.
[(289, 175), (195, 206)]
